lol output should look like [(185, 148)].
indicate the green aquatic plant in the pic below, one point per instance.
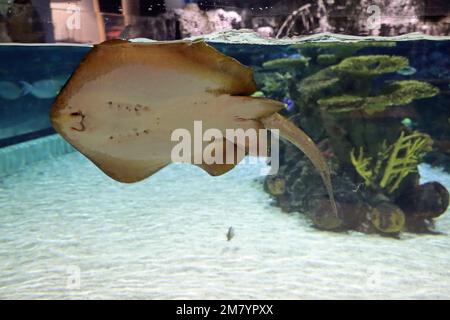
[(286, 63), (339, 50), (276, 84), (352, 78), (312, 86), (371, 65), (393, 162), (342, 103), (404, 92), (362, 166), (405, 155), (326, 59), (395, 94)]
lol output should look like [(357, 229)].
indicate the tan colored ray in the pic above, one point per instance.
[(125, 99)]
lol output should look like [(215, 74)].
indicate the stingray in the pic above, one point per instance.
[(125, 98)]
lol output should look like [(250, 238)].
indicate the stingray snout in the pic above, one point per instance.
[(69, 120)]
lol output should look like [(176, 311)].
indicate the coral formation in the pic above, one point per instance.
[(394, 94), (372, 65), (296, 64), (338, 50), (276, 84), (349, 103), (394, 162)]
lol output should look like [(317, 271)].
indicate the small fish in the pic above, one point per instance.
[(259, 94), (290, 105), (43, 89), (10, 91), (230, 233), (295, 56), (291, 56), (407, 71), (407, 122)]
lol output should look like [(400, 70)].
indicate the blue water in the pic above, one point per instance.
[(166, 238), (69, 231)]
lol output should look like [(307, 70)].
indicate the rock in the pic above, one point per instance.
[(426, 201), (275, 185), (265, 32), (323, 217), (195, 21), (387, 218)]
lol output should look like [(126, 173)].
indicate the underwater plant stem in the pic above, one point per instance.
[(301, 140), (391, 162), (361, 165)]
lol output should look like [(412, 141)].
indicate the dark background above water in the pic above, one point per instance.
[(93, 21)]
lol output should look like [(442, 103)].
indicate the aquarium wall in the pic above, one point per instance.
[(30, 78), (93, 21)]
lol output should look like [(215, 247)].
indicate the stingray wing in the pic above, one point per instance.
[(125, 99)]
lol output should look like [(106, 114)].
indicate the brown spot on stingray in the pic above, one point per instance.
[(241, 119)]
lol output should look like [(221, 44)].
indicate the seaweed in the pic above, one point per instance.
[(362, 166), (393, 162), (395, 94), (338, 49), (276, 85), (342, 99), (371, 65), (405, 155), (286, 63)]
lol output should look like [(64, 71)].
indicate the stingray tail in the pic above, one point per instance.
[(300, 139)]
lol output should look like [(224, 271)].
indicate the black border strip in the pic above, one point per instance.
[(26, 137)]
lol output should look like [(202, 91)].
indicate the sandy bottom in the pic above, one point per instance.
[(68, 231)]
